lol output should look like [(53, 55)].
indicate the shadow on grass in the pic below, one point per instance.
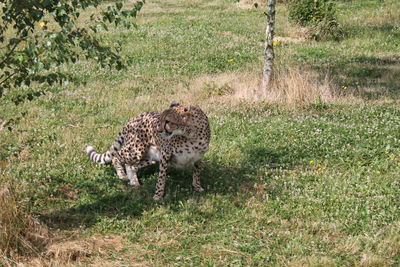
[(126, 202), (370, 71), (370, 76), (370, 29)]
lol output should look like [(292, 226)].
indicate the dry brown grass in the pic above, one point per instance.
[(297, 87), (96, 250), (20, 233), (290, 88), (71, 251), (293, 88)]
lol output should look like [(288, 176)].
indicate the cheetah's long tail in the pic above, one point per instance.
[(104, 158)]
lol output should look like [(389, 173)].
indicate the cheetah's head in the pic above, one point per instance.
[(175, 121)]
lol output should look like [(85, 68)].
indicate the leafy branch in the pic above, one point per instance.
[(38, 36)]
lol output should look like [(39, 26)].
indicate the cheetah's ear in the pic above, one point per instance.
[(186, 116), (188, 110), (174, 104)]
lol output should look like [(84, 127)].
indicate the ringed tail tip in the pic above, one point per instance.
[(89, 149)]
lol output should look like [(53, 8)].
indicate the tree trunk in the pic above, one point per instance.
[(269, 48)]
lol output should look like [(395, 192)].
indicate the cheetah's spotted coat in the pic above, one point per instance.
[(179, 136)]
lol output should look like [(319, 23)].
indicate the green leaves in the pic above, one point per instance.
[(319, 15), (37, 37)]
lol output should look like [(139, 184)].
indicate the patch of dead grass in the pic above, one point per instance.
[(297, 87), (96, 250), (289, 88), (293, 87), (70, 251), (20, 233)]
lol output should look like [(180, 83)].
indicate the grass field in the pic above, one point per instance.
[(288, 183)]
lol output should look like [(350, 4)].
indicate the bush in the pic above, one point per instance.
[(326, 30), (306, 12), (318, 15)]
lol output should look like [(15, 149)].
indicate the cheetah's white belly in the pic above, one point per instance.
[(185, 159), (154, 153), (179, 160)]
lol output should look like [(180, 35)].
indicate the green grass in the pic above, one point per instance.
[(366, 60), (311, 186)]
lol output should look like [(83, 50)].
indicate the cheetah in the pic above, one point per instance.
[(177, 137)]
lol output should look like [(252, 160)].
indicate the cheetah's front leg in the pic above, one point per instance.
[(160, 187), (196, 177)]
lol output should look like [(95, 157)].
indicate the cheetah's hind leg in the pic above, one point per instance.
[(131, 171), (119, 168)]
